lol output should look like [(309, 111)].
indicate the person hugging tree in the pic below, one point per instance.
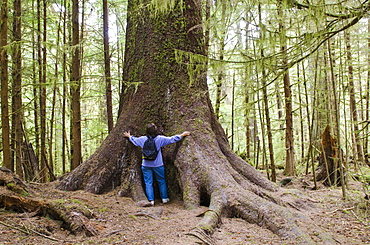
[(152, 164)]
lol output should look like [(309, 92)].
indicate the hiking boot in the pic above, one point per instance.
[(165, 200)]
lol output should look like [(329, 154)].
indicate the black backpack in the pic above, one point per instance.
[(149, 149)]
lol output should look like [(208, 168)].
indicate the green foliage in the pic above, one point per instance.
[(162, 7), (57, 69), (244, 50), (237, 39), (196, 64)]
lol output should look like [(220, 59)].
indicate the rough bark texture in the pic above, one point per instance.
[(5, 126), (201, 169), (329, 168), (29, 162), (358, 150), (16, 87), (75, 88), (289, 139), (107, 73)]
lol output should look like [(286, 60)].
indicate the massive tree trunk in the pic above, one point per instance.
[(201, 169)]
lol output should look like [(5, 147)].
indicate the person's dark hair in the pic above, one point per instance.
[(151, 130)]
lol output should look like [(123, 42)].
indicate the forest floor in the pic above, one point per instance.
[(118, 220)]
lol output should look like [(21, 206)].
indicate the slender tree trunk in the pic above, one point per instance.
[(5, 126), (339, 156), (119, 58), (38, 95), (108, 91), (65, 89), (326, 113), (248, 92), (279, 105), (367, 106), (289, 137), (248, 84), (36, 40), (120, 54), (268, 127), (250, 138), (329, 170), (55, 87), (17, 88), (353, 106), (263, 135), (218, 100), (207, 25), (42, 66), (302, 132), (304, 113), (247, 120), (75, 88), (221, 51), (267, 111), (310, 131), (233, 113)]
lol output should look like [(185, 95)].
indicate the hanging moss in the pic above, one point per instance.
[(196, 64)]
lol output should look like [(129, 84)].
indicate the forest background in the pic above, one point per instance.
[(278, 73)]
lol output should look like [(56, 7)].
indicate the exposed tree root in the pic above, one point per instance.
[(80, 222), (284, 221), (14, 195), (201, 235), (235, 189)]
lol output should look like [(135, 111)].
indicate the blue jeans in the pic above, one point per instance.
[(148, 173)]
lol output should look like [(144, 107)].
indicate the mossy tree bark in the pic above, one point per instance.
[(76, 88), (329, 170), (4, 92), (201, 169)]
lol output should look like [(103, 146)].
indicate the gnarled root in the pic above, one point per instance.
[(14, 196), (201, 235), (283, 220)]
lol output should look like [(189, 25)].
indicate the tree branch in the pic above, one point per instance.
[(30, 232)]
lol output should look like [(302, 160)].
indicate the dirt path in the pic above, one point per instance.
[(119, 221)]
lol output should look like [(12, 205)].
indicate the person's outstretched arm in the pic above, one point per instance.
[(165, 140), (186, 133)]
